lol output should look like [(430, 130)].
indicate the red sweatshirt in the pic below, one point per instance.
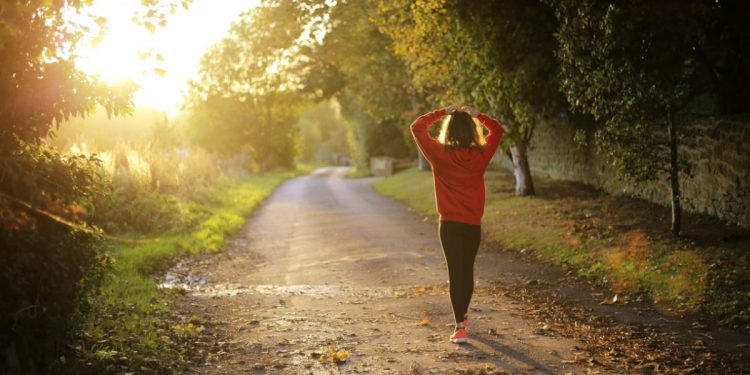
[(458, 174)]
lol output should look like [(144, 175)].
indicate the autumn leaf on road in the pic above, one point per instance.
[(425, 320), (335, 356)]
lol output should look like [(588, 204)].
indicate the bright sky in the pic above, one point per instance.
[(182, 43)]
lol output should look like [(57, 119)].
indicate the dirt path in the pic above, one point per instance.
[(327, 268)]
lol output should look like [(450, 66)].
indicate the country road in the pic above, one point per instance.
[(327, 268)]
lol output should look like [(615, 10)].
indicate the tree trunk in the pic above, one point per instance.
[(674, 176), (422, 163), (521, 171)]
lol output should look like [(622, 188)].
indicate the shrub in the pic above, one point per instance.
[(51, 262)]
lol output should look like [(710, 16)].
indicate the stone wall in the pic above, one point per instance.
[(720, 157)]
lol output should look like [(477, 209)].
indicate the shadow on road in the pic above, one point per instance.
[(495, 350)]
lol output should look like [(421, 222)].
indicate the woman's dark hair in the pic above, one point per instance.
[(460, 131)]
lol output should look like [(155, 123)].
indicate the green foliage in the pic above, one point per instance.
[(50, 261), (147, 173), (263, 128), (354, 63), (322, 134), (632, 64), (641, 67), (496, 55), (46, 180), (148, 186), (40, 85), (45, 289), (367, 137), (140, 211), (48, 269), (252, 106), (99, 132)]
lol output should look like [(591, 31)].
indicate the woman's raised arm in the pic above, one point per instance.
[(419, 127)]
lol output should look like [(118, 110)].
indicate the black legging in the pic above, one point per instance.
[(460, 243)]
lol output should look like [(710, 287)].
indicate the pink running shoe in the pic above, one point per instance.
[(460, 336)]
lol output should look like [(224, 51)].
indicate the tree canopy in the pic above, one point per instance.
[(637, 65), (368, 80), (247, 97), (498, 55)]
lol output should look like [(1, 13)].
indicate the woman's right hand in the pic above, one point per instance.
[(470, 110)]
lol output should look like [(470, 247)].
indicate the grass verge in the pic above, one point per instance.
[(132, 326), (621, 242), (358, 173)]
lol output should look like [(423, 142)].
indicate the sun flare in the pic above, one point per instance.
[(117, 56), (162, 62)]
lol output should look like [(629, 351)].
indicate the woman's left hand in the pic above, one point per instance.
[(450, 109)]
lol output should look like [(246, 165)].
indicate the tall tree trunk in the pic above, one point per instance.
[(422, 164), (521, 171), (674, 176)]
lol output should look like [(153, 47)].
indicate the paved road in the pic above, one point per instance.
[(328, 266)]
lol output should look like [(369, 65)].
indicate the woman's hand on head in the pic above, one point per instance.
[(450, 109), (470, 110)]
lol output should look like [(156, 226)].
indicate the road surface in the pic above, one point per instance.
[(329, 277)]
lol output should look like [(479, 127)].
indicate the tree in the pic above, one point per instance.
[(641, 67), (355, 65), (323, 134), (50, 260), (497, 55), (247, 97)]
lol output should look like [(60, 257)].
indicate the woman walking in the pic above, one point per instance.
[(459, 158)]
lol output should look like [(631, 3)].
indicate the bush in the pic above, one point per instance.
[(46, 277), (137, 210), (51, 263), (149, 187)]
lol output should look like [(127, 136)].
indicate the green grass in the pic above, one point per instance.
[(130, 322), (411, 187), (506, 219), (225, 207), (680, 276)]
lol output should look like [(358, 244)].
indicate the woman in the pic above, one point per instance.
[(458, 162)]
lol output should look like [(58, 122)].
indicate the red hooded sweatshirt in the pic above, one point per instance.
[(458, 174)]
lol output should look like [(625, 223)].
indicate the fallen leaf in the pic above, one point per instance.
[(335, 356), (425, 320)]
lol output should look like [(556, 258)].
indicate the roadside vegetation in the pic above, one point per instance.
[(164, 200), (620, 242), (133, 324), (357, 172)]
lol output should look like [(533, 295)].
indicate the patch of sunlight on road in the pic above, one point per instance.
[(319, 291), (309, 290)]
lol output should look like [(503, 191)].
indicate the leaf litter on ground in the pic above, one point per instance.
[(618, 346)]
